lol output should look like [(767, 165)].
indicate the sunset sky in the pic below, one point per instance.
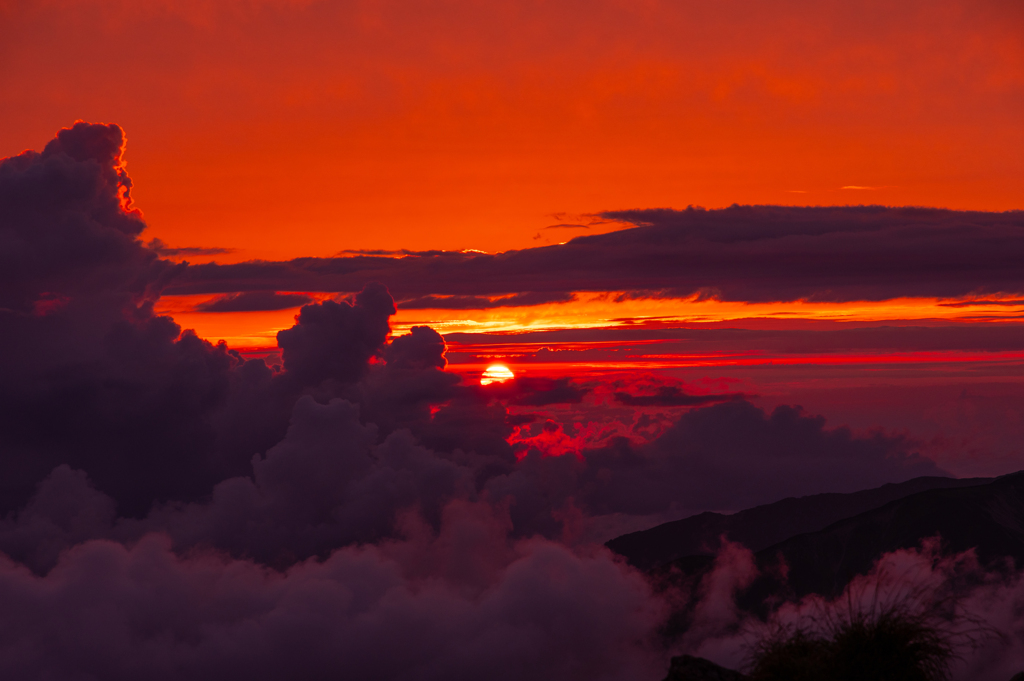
[(728, 251), (283, 129)]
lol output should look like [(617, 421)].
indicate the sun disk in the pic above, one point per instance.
[(496, 373)]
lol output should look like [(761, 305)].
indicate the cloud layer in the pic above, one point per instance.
[(254, 301), (743, 253), (173, 510)]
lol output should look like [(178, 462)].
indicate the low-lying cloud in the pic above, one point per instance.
[(977, 610), (171, 509)]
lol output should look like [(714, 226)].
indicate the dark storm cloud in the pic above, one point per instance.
[(92, 378), (95, 380), (754, 253), (336, 340), (254, 301), (67, 228)]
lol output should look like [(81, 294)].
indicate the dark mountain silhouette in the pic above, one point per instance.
[(690, 668), (763, 526), (988, 518), (984, 515)]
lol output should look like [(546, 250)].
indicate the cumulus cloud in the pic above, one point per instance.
[(326, 484), (95, 379), (336, 340), (426, 607), (173, 510), (68, 224), (734, 455), (154, 415)]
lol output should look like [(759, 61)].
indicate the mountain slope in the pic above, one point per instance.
[(763, 526), (988, 518)]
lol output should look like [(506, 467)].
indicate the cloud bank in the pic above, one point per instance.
[(173, 510), (741, 253)]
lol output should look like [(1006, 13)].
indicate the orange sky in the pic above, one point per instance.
[(285, 129)]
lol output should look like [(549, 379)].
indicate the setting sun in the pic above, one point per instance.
[(496, 373), (757, 267)]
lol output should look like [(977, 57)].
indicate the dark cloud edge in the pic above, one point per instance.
[(740, 253)]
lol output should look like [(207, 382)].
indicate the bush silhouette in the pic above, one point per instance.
[(796, 656), (890, 645)]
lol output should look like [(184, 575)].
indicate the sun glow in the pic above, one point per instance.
[(595, 310), (496, 373)]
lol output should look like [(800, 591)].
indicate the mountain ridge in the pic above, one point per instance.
[(760, 527)]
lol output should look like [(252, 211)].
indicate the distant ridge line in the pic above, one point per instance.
[(763, 526)]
